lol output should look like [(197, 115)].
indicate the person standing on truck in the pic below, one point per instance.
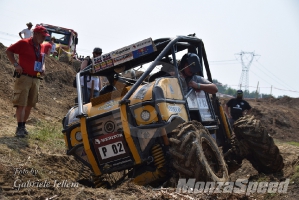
[(26, 86), (237, 107), (195, 81), (27, 31), (95, 79)]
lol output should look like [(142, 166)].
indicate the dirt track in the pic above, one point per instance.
[(280, 116)]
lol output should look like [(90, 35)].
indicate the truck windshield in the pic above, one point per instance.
[(59, 38)]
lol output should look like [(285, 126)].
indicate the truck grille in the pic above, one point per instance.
[(105, 125)]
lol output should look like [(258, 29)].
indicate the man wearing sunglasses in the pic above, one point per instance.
[(237, 107), (28, 69)]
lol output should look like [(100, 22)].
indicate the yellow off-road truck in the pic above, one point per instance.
[(153, 129)]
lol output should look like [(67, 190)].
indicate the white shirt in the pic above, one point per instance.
[(95, 79), (53, 48), (27, 33)]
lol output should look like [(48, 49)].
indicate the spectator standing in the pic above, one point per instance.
[(52, 42), (96, 80), (26, 87), (237, 107), (27, 31)]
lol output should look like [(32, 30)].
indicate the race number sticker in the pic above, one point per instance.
[(203, 106), (112, 150)]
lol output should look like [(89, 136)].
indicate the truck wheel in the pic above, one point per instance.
[(195, 153), (261, 150)]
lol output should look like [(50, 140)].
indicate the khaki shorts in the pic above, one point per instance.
[(25, 91)]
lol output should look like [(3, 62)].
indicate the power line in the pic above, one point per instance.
[(224, 63), (275, 75), (223, 60), (275, 80)]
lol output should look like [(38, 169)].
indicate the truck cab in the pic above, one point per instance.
[(66, 39)]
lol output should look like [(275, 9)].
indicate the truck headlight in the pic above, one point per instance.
[(78, 136), (145, 115)]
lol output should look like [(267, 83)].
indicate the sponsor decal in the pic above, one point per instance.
[(108, 105), (143, 51), (109, 63), (106, 56), (171, 89), (240, 186), (102, 62), (97, 60), (109, 127), (97, 67), (142, 91), (123, 58), (175, 109), (103, 65), (119, 52), (143, 43), (105, 139)]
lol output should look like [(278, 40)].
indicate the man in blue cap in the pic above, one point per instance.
[(237, 107)]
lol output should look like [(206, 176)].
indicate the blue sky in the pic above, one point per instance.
[(269, 28)]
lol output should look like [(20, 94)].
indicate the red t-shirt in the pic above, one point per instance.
[(27, 56), (46, 47)]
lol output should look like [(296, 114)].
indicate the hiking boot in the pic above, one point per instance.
[(25, 131), (20, 132)]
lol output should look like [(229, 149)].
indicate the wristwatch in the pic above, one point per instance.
[(16, 64)]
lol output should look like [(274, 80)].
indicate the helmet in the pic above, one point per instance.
[(193, 60), (97, 50)]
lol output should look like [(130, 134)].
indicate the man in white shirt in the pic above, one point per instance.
[(95, 79), (52, 41), (27, 32)]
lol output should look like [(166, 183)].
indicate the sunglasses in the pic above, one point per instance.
[(97, 53)]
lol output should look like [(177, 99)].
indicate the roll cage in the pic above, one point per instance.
[(165, 47)]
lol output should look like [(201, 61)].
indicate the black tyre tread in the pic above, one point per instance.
[(257, 145), (188, 154)]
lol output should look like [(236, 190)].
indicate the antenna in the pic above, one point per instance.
[(246, 58)]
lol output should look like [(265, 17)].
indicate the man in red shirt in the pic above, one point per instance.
[(29, 68)]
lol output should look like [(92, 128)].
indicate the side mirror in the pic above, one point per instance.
[(76, 41)]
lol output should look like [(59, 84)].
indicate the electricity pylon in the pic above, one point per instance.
[(246, 58)]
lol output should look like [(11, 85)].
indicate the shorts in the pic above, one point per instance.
[(26, 91)]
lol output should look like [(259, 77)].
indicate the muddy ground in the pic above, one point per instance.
[(56, 174)]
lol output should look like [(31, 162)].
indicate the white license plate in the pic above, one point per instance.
[(112, 150)]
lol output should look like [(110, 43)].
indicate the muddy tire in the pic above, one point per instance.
[(195, 153), (257, 145)]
